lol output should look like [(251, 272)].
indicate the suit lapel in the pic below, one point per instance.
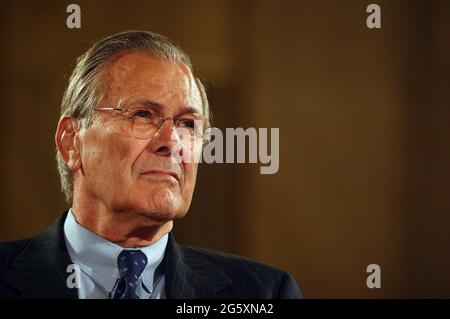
[(40, 270), (189, 275)]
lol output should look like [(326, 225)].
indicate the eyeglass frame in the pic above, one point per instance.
[(161, 119)]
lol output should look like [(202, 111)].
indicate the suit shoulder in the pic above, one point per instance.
[(252, 279), (10, 250), (231, 263)]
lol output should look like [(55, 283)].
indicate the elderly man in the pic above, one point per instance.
[(132, 114)]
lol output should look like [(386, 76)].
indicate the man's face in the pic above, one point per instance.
[(143, 176)]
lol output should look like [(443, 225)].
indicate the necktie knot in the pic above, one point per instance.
[(131, 264)]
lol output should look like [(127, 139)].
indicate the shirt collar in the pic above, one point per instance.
[(97, 256)]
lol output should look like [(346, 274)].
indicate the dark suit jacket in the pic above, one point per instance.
[(36, 268)]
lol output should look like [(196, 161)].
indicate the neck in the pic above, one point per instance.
[(125, 227)]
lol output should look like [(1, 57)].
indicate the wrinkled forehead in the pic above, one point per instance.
[(133, 75)]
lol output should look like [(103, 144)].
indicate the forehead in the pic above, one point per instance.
[(134, 75)]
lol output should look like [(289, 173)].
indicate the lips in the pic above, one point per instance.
[(161, 172)]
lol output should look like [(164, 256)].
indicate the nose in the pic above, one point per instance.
[(166, 141)]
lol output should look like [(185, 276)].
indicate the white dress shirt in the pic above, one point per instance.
[(97, 260)]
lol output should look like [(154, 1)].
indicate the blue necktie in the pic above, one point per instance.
[(131, 264)]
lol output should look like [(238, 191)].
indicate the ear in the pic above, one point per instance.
[(67, 141)]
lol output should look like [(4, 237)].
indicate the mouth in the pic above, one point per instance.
[(163, 174)]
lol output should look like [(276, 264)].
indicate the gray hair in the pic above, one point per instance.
[(84, 89)]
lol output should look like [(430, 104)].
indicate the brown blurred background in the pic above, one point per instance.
[(364, 131)]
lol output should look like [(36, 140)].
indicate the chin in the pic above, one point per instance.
[(159, 216), (158, 204), (163, 211), (165, 217)]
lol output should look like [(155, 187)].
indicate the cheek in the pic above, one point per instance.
[(191, 167), (110, 157), (191, 177)]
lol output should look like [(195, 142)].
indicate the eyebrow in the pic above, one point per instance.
[(152, 104)]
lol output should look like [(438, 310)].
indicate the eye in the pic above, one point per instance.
[(186, 123), (142, 113)]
